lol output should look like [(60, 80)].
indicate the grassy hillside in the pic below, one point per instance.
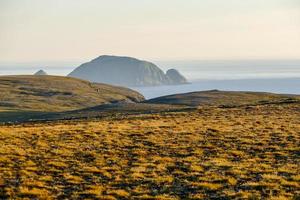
[(225, 98), (99, 108), (55, 93), (247, 152)]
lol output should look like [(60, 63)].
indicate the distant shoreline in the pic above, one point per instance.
[(239, 79)]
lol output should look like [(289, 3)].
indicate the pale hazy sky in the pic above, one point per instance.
[(66, 30)]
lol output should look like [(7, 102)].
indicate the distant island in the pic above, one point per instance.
[(126, 71), (40, 73)]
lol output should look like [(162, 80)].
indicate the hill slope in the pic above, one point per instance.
[(172, 103), (55, 93), (227, 98), (125, 71)]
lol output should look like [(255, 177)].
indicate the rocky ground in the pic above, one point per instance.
[(247, 152)]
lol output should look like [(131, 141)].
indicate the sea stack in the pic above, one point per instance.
[(40, 73), (175, 77)]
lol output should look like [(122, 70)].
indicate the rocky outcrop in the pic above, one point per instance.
[(40, 72), (175, 77)]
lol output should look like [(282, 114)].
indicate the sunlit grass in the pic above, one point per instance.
[(236, 153)]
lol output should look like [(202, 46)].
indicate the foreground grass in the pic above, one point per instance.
[(212, 153)]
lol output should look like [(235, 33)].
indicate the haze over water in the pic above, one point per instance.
[(279, 76)]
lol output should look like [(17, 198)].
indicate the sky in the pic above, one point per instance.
[(75, 30)]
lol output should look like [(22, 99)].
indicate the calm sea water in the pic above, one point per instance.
[(276, 85), (243, 69), (279, 76)]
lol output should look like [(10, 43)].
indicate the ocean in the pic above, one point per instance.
[(275, 85), (278, 76)]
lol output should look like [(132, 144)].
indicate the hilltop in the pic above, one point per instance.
[(126, 71), (56, 93), (88, 105), (223, 98)]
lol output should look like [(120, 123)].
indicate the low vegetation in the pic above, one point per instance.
[(246, 152), (55, 93), (224, 98)]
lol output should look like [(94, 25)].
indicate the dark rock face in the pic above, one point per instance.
[(124, 71), (40, 72), (175, 77)]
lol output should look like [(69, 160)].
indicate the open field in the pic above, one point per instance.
[(247, 152), (101, 111)]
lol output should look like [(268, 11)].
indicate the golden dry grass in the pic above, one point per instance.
[(211, 153)]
